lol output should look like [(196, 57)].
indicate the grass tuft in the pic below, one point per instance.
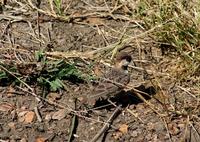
[(179, 30)]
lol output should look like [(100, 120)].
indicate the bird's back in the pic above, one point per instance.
[(117, 76), (110, 84)]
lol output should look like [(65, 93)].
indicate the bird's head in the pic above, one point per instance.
[(123, 59)]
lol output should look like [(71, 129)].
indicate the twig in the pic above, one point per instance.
[(5, 29), (32, 91), (114, 51), (135, 115), (72, 128), (107, 126), (67, 108), (188, 92), (47, 12), (9, 17), (73, 125), (165, 123), (3, 140), (51, 6), (148, 71), (39, 118), (186, 129), (131, 112)]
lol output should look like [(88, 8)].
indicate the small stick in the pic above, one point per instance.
[(5, 29), (165, 123), (72, 128), (106, 126), (39, 118), (32, 91), (131, 112), (65, 107), (188, 123), (135, 115), (48, 101), (148, 71), (74, 124), (188, 92)]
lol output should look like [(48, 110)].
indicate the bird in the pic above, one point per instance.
[(111, 82)]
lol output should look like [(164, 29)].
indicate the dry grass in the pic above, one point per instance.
[(171, 26)]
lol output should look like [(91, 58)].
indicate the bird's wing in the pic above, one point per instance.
[(102, 91), (118, 76), (106, 89)]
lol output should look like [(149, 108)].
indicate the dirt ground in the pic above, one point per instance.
[(167, 112)]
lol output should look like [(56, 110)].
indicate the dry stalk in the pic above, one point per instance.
[(106, 126)]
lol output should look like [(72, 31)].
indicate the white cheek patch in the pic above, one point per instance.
[(124, 63), (126, 71)]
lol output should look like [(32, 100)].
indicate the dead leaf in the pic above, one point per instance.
[(21, 116), (97, 71), (10, 91), (11, 125), (26, 116), (95, 21), (6, 107), (53, 96), (26, 68), (76, 14), (173, 129), (29, 117), (40, 139), (60, 114), (117, 135), (123, 128)]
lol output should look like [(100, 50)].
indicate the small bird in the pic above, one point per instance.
[(108, 84)]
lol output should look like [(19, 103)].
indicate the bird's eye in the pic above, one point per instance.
[(128, 58)]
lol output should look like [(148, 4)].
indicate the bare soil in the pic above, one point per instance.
[(168, 114)]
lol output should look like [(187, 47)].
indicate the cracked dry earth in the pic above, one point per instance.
[(167, 114)]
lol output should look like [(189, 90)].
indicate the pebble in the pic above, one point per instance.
[(159, 127)]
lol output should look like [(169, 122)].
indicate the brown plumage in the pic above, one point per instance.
[(107, 86)]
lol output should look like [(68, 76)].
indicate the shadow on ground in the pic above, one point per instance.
[(127, 98)]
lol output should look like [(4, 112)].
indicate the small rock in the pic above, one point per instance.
[(131, 107), (40, 128), (23, 140), (148, 137), (134, 134), (123, 128), (29, 117), (12, 140), (159, 127), (181, 126), (173, 129), (155, 138), (11, 125), (26, 116), (48, 117), (150, 126)]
